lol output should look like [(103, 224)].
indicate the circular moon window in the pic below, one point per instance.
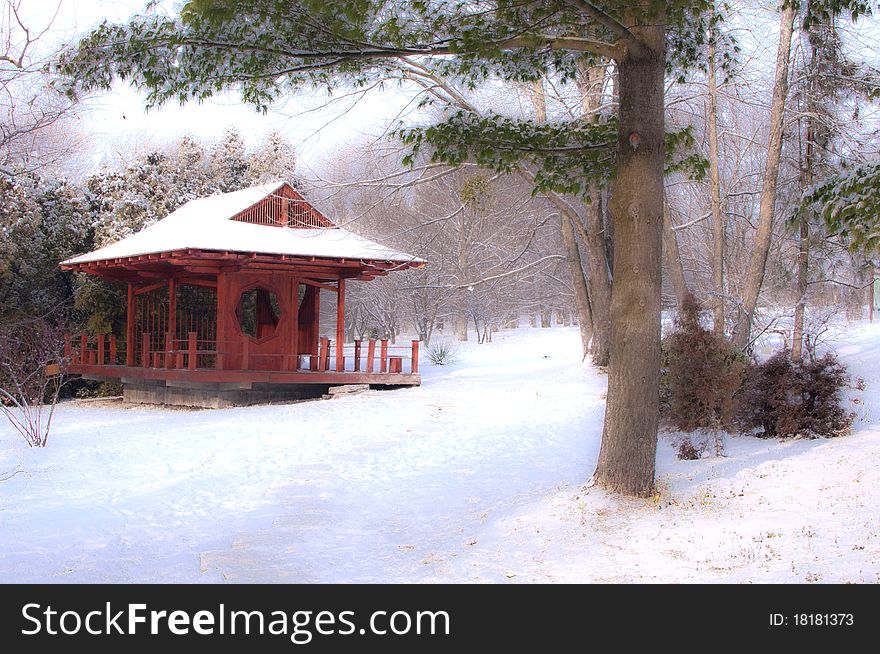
[(258, 313)]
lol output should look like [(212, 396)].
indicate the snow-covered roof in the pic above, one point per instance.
[(206, 224)]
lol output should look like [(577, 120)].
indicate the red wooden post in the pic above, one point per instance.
[(357, 356), (83, 345), (383, 356), (222, 309), (191, 349), (145, 350), (130, 327), (371, 354), (169, 349), (395, 364), (100, 357), (293, 363), (156, 359), (245, 353), (316, 322), (340, 326), (112, 350), (172, 308), (415, 357), (68, 348), (323, 354)]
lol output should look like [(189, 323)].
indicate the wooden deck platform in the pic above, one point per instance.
[(128, 374)]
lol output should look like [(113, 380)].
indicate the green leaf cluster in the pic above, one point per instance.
[(850, 206)]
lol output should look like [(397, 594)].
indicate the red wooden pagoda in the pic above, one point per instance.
[(224, 304)]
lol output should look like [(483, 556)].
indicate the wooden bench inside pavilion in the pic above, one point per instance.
[(224, 304)]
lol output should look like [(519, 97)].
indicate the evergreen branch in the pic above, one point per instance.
[(605, 19)]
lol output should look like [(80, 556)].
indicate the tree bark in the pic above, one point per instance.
[(673, 260), (572, 250), (590, 80), (546, 318), (599, 280), (797, 335), (758, 261), (807, 178), (461, 327), (629, 440), (579, 284), (715, 195)]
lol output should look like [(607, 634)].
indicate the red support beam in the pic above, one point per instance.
[(141, 290), (415, 358), (383, 357), (172, 308), (100, 357), (113, 360), (317, 318), (169, 349), (145, 350), (293, 363), (222, 301), (83, 345), (357, 355), (191, 345), (323, 354), (130, 327), (326, 287), (371, 355), (340, 326)]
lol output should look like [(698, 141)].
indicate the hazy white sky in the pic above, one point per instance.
[(117, 120)]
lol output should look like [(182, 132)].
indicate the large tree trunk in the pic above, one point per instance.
[(715, 196), (629, 441), (758, 262)]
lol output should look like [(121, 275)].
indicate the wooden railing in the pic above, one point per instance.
[(372, 356)]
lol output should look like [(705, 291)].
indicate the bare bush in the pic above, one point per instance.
[(799, 399), (31, 376), (701, 376), (686, 450)]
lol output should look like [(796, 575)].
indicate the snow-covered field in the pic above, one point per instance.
[(476, 476)]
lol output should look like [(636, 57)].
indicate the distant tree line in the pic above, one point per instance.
[(44, 220)]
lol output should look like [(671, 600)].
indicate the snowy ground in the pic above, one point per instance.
[(476, 476)]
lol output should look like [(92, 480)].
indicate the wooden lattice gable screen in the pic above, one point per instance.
[(285, 208)]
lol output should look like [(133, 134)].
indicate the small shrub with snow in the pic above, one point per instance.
[(442, 353), (701, 376), (802, 399), (687, 451)]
